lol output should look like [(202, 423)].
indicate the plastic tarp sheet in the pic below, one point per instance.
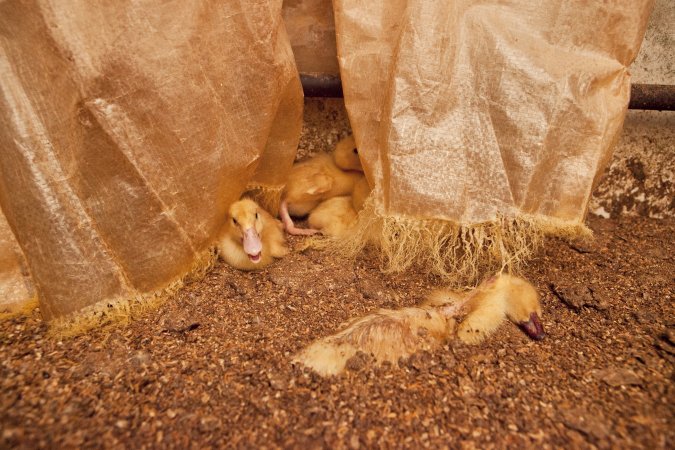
[(476, 112), (128, 127), (466, 110)]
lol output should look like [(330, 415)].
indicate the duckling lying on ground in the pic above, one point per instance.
[(251, 238), (500, 297), (333, 217), (317, 179), (388, 335)]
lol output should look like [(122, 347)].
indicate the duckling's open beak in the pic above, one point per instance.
[(533, 327), (252, 245)]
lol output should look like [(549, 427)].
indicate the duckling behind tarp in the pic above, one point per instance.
[(317, 179), (333, 217)]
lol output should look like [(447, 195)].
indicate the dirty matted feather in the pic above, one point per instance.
[(387, 335)]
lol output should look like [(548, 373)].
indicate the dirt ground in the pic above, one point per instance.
[(211, 367)]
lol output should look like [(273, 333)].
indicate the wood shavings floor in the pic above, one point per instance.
[(211, 367)]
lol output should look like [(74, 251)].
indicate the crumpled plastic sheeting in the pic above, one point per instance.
[(468, 111), (128, 127), (16, 286)]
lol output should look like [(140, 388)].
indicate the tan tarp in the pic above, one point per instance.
[(16, 286), (128, 127), (478, 113)]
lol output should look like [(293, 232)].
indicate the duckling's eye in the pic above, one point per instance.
[(356, 151), (256, 215), (234, 221)]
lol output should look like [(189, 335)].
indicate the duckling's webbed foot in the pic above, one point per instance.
[(289, 226)]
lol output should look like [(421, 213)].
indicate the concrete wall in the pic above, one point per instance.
[(654, 63), (641, 177), (311, 29)]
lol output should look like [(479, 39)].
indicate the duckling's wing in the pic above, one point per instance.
[(318, 183)]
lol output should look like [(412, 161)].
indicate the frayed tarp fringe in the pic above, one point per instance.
[(122, 311), (24, 308), (460, 254)]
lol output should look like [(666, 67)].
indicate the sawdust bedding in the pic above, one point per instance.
[(211, 367)]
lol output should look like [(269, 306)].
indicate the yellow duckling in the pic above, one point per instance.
[(501, 297), (317, 179), (333, 217), (388, 335), (251, 238)]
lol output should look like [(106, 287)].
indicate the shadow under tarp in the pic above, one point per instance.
[(127, 129), (482, 124)]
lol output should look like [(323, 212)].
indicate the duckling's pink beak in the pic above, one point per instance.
[(252, 245), (533, 327)]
